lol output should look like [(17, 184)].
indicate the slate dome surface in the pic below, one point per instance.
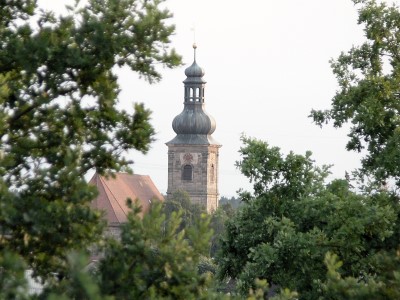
[(194, 120), (194, 70)]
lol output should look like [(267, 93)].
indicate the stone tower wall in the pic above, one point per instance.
[(203, 188)]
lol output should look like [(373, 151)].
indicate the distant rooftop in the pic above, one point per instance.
[(114, 192)]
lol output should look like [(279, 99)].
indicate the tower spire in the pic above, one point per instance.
[(194, 50), (193, 125), (194, 40), (193, 152)]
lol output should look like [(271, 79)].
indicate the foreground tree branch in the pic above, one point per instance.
[(58, 116)]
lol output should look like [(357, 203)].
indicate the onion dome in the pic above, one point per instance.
[(193, 121), (194, 70), (194, 73), (194, 125)]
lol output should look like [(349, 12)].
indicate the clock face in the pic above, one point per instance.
[(188, 157)]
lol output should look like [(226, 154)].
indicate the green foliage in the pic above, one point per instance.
[(385, 284), (13, 284), (293, 176), (58, 117), (233, 202), (368, 96), (153, 259), (286, 294), (192, 212), (180, 202), (282, 232), (217, 224), (156, 260), (78, 284)]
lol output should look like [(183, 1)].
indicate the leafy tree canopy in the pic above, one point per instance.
[(191, 213), (294, 218), (368, 96), (232, 202), (156, 259), (58, 116), (384, 284), (180, 202)]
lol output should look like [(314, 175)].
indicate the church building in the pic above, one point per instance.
[(193, 153)]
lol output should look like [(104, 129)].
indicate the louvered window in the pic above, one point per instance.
[(187, 173)]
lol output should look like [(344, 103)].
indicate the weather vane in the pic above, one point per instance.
[(194, 33)]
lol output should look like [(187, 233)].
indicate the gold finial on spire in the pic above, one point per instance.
[(194, 48)]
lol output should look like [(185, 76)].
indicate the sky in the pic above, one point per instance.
[(266, 65)]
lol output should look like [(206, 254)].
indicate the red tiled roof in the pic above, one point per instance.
[(113, 193)]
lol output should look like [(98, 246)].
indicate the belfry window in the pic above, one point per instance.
[(191, 95), (187, 172)]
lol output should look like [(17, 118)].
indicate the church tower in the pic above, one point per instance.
[(193, 153)]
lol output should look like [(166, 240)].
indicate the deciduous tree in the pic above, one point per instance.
[(58, 116), (368, 95), (180, 202), (294, 217)]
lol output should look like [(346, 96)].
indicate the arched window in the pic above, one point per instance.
[(191, 94), (187, 172)]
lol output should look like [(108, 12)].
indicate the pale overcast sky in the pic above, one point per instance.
[(266, 66)]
